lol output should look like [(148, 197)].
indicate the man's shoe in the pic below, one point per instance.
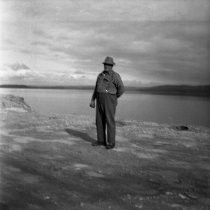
[(110, 146), (98, 144)]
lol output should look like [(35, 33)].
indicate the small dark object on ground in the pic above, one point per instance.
[(182, 128)]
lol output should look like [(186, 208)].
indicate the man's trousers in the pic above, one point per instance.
[(105, 117)]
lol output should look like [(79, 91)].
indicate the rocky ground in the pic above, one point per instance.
[(48, 162)]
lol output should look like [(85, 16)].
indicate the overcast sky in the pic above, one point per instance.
[(64, 42)]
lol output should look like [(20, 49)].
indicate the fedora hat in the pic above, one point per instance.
[(109, 60)]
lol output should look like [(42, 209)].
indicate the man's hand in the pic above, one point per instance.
[(92, 104)]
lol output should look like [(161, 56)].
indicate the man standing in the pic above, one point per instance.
[(109, 87)]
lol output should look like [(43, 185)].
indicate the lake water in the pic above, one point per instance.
[(177, 110)]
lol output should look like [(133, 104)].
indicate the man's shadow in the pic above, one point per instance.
[(81, 135)]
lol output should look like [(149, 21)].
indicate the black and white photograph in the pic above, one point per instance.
[(104, 105)]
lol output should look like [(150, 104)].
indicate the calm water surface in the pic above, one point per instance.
[(185, 110)]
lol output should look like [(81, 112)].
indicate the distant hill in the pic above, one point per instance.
[(203, 90), (47, 87), (14, 86)]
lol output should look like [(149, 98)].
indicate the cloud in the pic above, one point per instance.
[(109, 10), (18, 72), (41, 43), (147, 51), (150, 40), (18, 66), (9, 74), (79, 72)]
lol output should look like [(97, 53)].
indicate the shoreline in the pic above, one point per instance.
[(179, 90), (172, 116)]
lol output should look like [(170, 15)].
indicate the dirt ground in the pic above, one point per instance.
[(48, 162)]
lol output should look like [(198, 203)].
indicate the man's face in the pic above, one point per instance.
[(107, 67)]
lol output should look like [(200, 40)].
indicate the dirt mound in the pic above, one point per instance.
[(14, 103)]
